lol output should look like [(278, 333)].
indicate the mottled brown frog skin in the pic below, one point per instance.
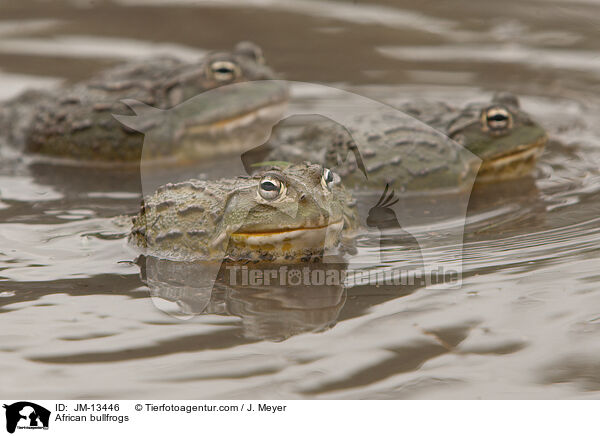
[(76, 122), (411, 156), (276, 215)]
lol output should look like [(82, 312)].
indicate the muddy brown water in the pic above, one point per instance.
[(76, 321)]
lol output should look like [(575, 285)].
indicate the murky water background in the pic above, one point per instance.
[(76, 321)]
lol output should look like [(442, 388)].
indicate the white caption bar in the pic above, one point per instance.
[(160, 417)]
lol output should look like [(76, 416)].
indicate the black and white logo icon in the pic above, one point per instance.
[(26, 415)]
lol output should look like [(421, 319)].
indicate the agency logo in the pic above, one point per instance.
[(24, 415)]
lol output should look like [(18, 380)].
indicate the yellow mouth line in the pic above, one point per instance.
[(267, 111), (279, 231), (521, 153)]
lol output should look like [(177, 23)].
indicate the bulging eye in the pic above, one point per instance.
[(270, 188), (328, 178), (224, 71), (496, 119), (250, 50)]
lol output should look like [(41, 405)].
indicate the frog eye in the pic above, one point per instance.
[(224, 71), (270, 188), (327, 178), (496, 119)]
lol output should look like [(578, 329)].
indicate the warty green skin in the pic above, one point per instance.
[(415, 157), (76, 122), (210, 220)]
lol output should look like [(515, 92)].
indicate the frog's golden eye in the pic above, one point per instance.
[(270, 188), (327, 179), (497, 120), (224, 71)]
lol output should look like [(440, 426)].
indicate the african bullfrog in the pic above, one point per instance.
[(277, 214), (76, 123), (412, 156)]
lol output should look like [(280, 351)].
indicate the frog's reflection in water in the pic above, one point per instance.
[(274, 302)]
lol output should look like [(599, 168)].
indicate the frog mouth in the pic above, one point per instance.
[(306, 236), (235, 107), (517, 163), (230, 135), (263, 114)]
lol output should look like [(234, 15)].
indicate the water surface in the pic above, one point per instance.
[(78, 322)]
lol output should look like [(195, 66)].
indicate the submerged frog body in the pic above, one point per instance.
[(77, 123), (414, 156), (278, 214)]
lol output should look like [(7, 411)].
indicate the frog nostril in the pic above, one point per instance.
[(302, 197)]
